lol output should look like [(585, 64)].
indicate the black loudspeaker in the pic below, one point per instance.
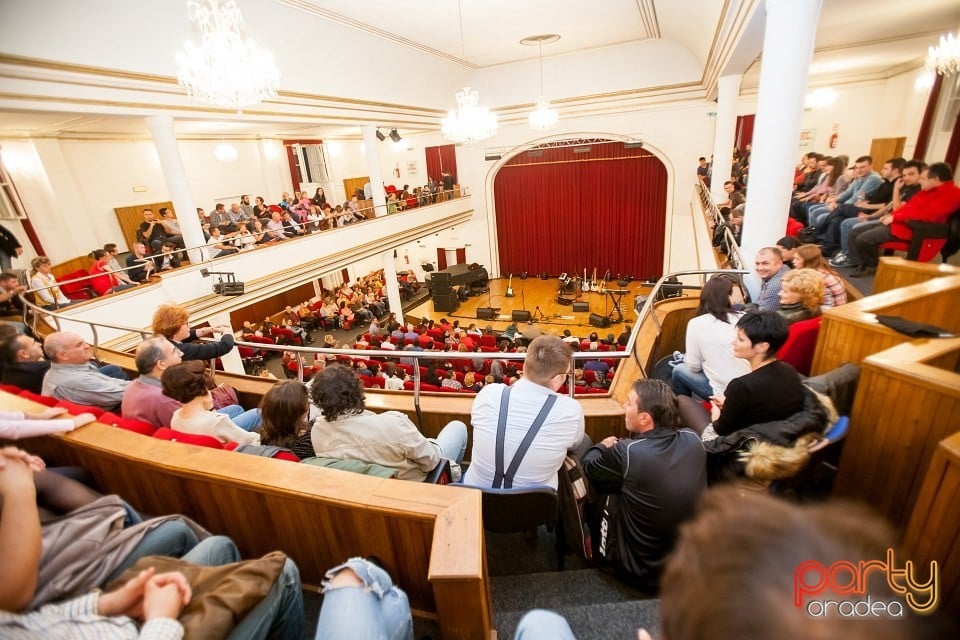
[(486, 313), (595, 320), (581, 306), (623, 283), (445, 303), (440, 277), (520, 315), (562, 300)]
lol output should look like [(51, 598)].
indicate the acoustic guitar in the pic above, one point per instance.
[(509, 293), (586, 283)]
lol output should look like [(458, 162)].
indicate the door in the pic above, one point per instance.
[(883, 149)]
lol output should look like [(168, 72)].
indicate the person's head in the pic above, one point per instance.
[(284, 410), (100, 256), (154, 355), (760, 333), (111, 248), (8, 281), (548, 361), (768, 262), (729, 186), (469, 379), (220, 208), (139, 248), (167, 247), (17, 347), (187, 381), (892, 168), (245, 199), (259, 200), (743, 554), (65, 347), (148, 215), (935, 175), (911, 172), (40, 264), (813, 160), (214, 231), (276, 216), (170, 321), (702, 161), (788, 247), (863, 166), (650, 403), (338, 392), (235, 207), (809, 256), (804, 286), (200, 213), (715, 298)]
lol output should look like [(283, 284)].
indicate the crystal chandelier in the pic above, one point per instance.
[(542, 117), (227, 69), (469, 122), (945, 57)]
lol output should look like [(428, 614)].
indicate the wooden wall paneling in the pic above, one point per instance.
[(350, 185), (257, 311), (904, 406), (74, 264), (130, 218), (933, 532), (894, 273)]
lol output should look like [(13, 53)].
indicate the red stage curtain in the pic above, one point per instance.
[(744, 135), (440, 159), (560, 211)]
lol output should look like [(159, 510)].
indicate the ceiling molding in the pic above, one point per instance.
[(648, 13)]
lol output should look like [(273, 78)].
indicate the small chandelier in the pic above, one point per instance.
[(820, 98), (469, 122), (225, 152), (227, 69), (945, 57), (542, 117)]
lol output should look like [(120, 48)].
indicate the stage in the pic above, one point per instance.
[(539, 297)]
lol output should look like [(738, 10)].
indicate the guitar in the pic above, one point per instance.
[(586, 283), (509, 293), (594, 285), (603, 282)]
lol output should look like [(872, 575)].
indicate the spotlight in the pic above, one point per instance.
[(395, 136), (380, 135), (230, 287)]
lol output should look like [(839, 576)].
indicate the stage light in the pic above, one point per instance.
[(229, 287), (380, 135), (395, 136)]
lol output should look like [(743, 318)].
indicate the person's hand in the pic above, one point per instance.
[(643, 634), (609, 441), (16, 475), (831, 206), (887, 219), (46, 414), (862, 216), (165, 596), (128, 599), (82, 419), (13, 454)]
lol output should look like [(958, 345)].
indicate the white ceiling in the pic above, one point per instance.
[(856, 40)]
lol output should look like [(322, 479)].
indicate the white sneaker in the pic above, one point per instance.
[(839, 260)]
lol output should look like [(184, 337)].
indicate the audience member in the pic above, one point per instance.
[(190, 384), (770, 268), (171, 322), (800, 295), (22, 362), (142, 265), (808, 256), (42, 281), (284, 409), (72, 376), (144, 399), (788, 249), (103, 280), (11, 309)]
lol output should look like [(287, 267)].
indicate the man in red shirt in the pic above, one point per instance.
[(937, 199)]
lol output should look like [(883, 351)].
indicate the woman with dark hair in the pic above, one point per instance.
[(319, 198), (104, 281), (809, 256), (284, 410), (190, 384), (346, 430), (709, 363)]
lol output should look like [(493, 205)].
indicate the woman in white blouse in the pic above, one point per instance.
[(48, 293)]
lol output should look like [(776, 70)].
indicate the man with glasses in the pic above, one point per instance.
[(74, 377), (652, 482)]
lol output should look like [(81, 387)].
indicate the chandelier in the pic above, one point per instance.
[(945, 57), (542, 117), (227, 69), (469, 122), (225, 152)]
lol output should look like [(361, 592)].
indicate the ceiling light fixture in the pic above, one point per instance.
[(380, 135), (225, 152), (945, 57), (227, 69), (395, 136), (542, 117), (820, 98), (469, 122)]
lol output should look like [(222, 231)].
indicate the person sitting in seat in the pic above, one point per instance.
[(190, 384), (73, 377), (22, 363), (45, 286), (346, 430), (171, 322), (801, 292)]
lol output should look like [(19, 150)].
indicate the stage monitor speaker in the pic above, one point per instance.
[(445, 303), (520, 315), (486, 313), (581, 306), (439, 277), (563, 300), (597, 320)]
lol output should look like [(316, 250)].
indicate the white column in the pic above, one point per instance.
[(161, 128), (232, 362), (787, 50), (372, 147), (728, 88), (390, 283)]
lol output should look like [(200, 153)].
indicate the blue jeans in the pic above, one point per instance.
[(539, 623), (172, 538), (113, 371), (280, 614), (453, 441), (376, 611), (688, 383), (847, 226), (246, 420)]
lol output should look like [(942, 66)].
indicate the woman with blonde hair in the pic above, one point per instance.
[(46, 290), (808, 256), (801, 292)]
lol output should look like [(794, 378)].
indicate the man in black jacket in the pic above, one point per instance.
[(652, 481), (9, 248), (21, 359)]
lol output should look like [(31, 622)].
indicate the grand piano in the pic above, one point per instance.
[(459, 275)]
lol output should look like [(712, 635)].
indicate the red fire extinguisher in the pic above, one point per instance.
[(833, 138)]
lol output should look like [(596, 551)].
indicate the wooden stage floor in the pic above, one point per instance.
[(540, 297)]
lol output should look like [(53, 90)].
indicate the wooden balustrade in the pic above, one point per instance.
[(894, 273), (850, 333), (934, 527), (429, 537), (908, 399)]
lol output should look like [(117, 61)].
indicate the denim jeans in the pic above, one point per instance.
[(847, 226), (453, 441), (113, 371), (376, 611), (172, 538), (540, 623), (688, 383), (246, 420), (280, 614)]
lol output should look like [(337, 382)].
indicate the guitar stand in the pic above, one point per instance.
[(537, 315), (616, 297)]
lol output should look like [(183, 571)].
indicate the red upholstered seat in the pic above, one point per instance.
[(428, 387), (129, 424), (596, 390), (408, 385), (11, 388), (488, 341), (800, 345), (927, 250), (76, 290), (36, 397), (285, 336), (166, 433)]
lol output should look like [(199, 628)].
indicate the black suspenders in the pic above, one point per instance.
[(501, 479)]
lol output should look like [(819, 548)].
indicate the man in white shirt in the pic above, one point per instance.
[(544, 371)]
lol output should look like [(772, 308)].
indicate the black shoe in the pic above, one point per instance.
[(863, 271)]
